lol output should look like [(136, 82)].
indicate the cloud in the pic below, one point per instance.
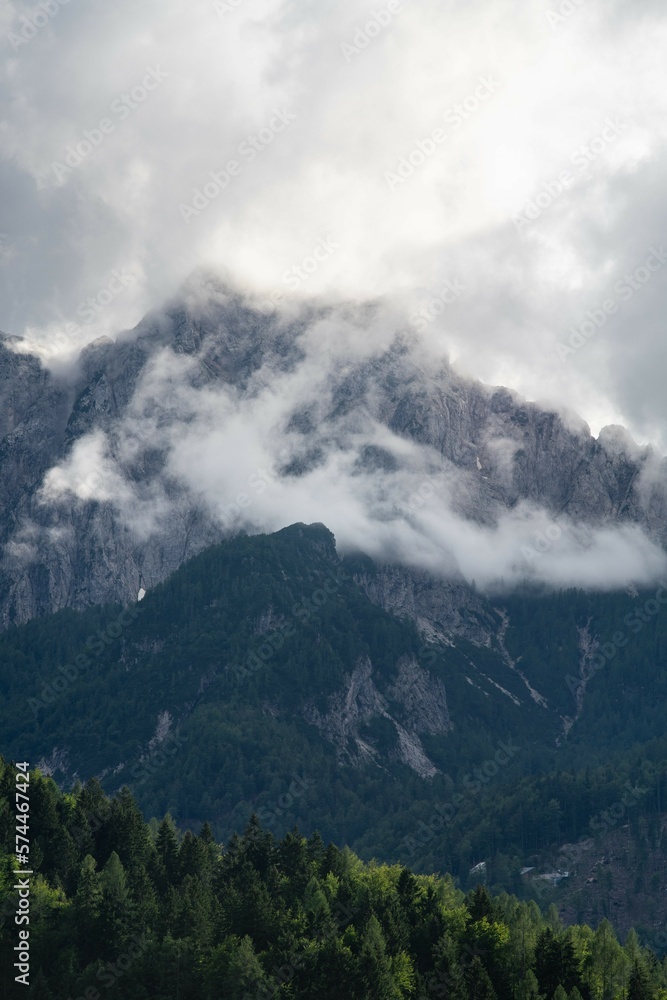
[(315, 433), (87, 473), (226, 71)]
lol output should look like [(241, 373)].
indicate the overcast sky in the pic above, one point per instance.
[(516, 152)]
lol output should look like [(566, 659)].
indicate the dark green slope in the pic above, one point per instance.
[(204, 697), (233, 647)]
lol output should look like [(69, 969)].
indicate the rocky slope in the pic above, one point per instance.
[(94, 507)]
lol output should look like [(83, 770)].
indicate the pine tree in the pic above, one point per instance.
[(632, 946), (375, 965), (447, 978), (257, 846), (605, 955), (316, 905), (115, 906), (556, 963), (127, 830), (528, 988), (167, 853), (639, 983), (478, 983), (87, 903), (480, 904), (40, 988), (331, 972), (236, 973)]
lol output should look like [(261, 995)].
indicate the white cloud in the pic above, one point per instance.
[(223, 78), (240, 454), (225, 75)]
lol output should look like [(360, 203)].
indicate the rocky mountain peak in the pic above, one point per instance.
[(110, 483)]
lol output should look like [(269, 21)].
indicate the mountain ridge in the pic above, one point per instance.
[(108, 482)]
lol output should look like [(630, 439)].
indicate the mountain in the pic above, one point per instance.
[(298, 565), (212, 417), (260, 677), (272, 629)]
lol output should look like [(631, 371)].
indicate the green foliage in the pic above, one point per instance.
[(639, 984), (160, 914), (248, 641)]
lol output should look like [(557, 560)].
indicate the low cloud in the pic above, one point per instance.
[(306, 437)]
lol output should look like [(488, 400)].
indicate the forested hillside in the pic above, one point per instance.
[(261, 678), (124, 909)]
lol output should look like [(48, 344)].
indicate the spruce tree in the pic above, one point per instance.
[(639, 983)]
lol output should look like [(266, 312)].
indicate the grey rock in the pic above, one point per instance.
[(414, 704), (500, 450)]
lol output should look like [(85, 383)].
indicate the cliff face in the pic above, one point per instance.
[(487, 449), (443, 610), (415, 704)]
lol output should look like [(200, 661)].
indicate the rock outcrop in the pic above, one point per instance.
[(491, 450)]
